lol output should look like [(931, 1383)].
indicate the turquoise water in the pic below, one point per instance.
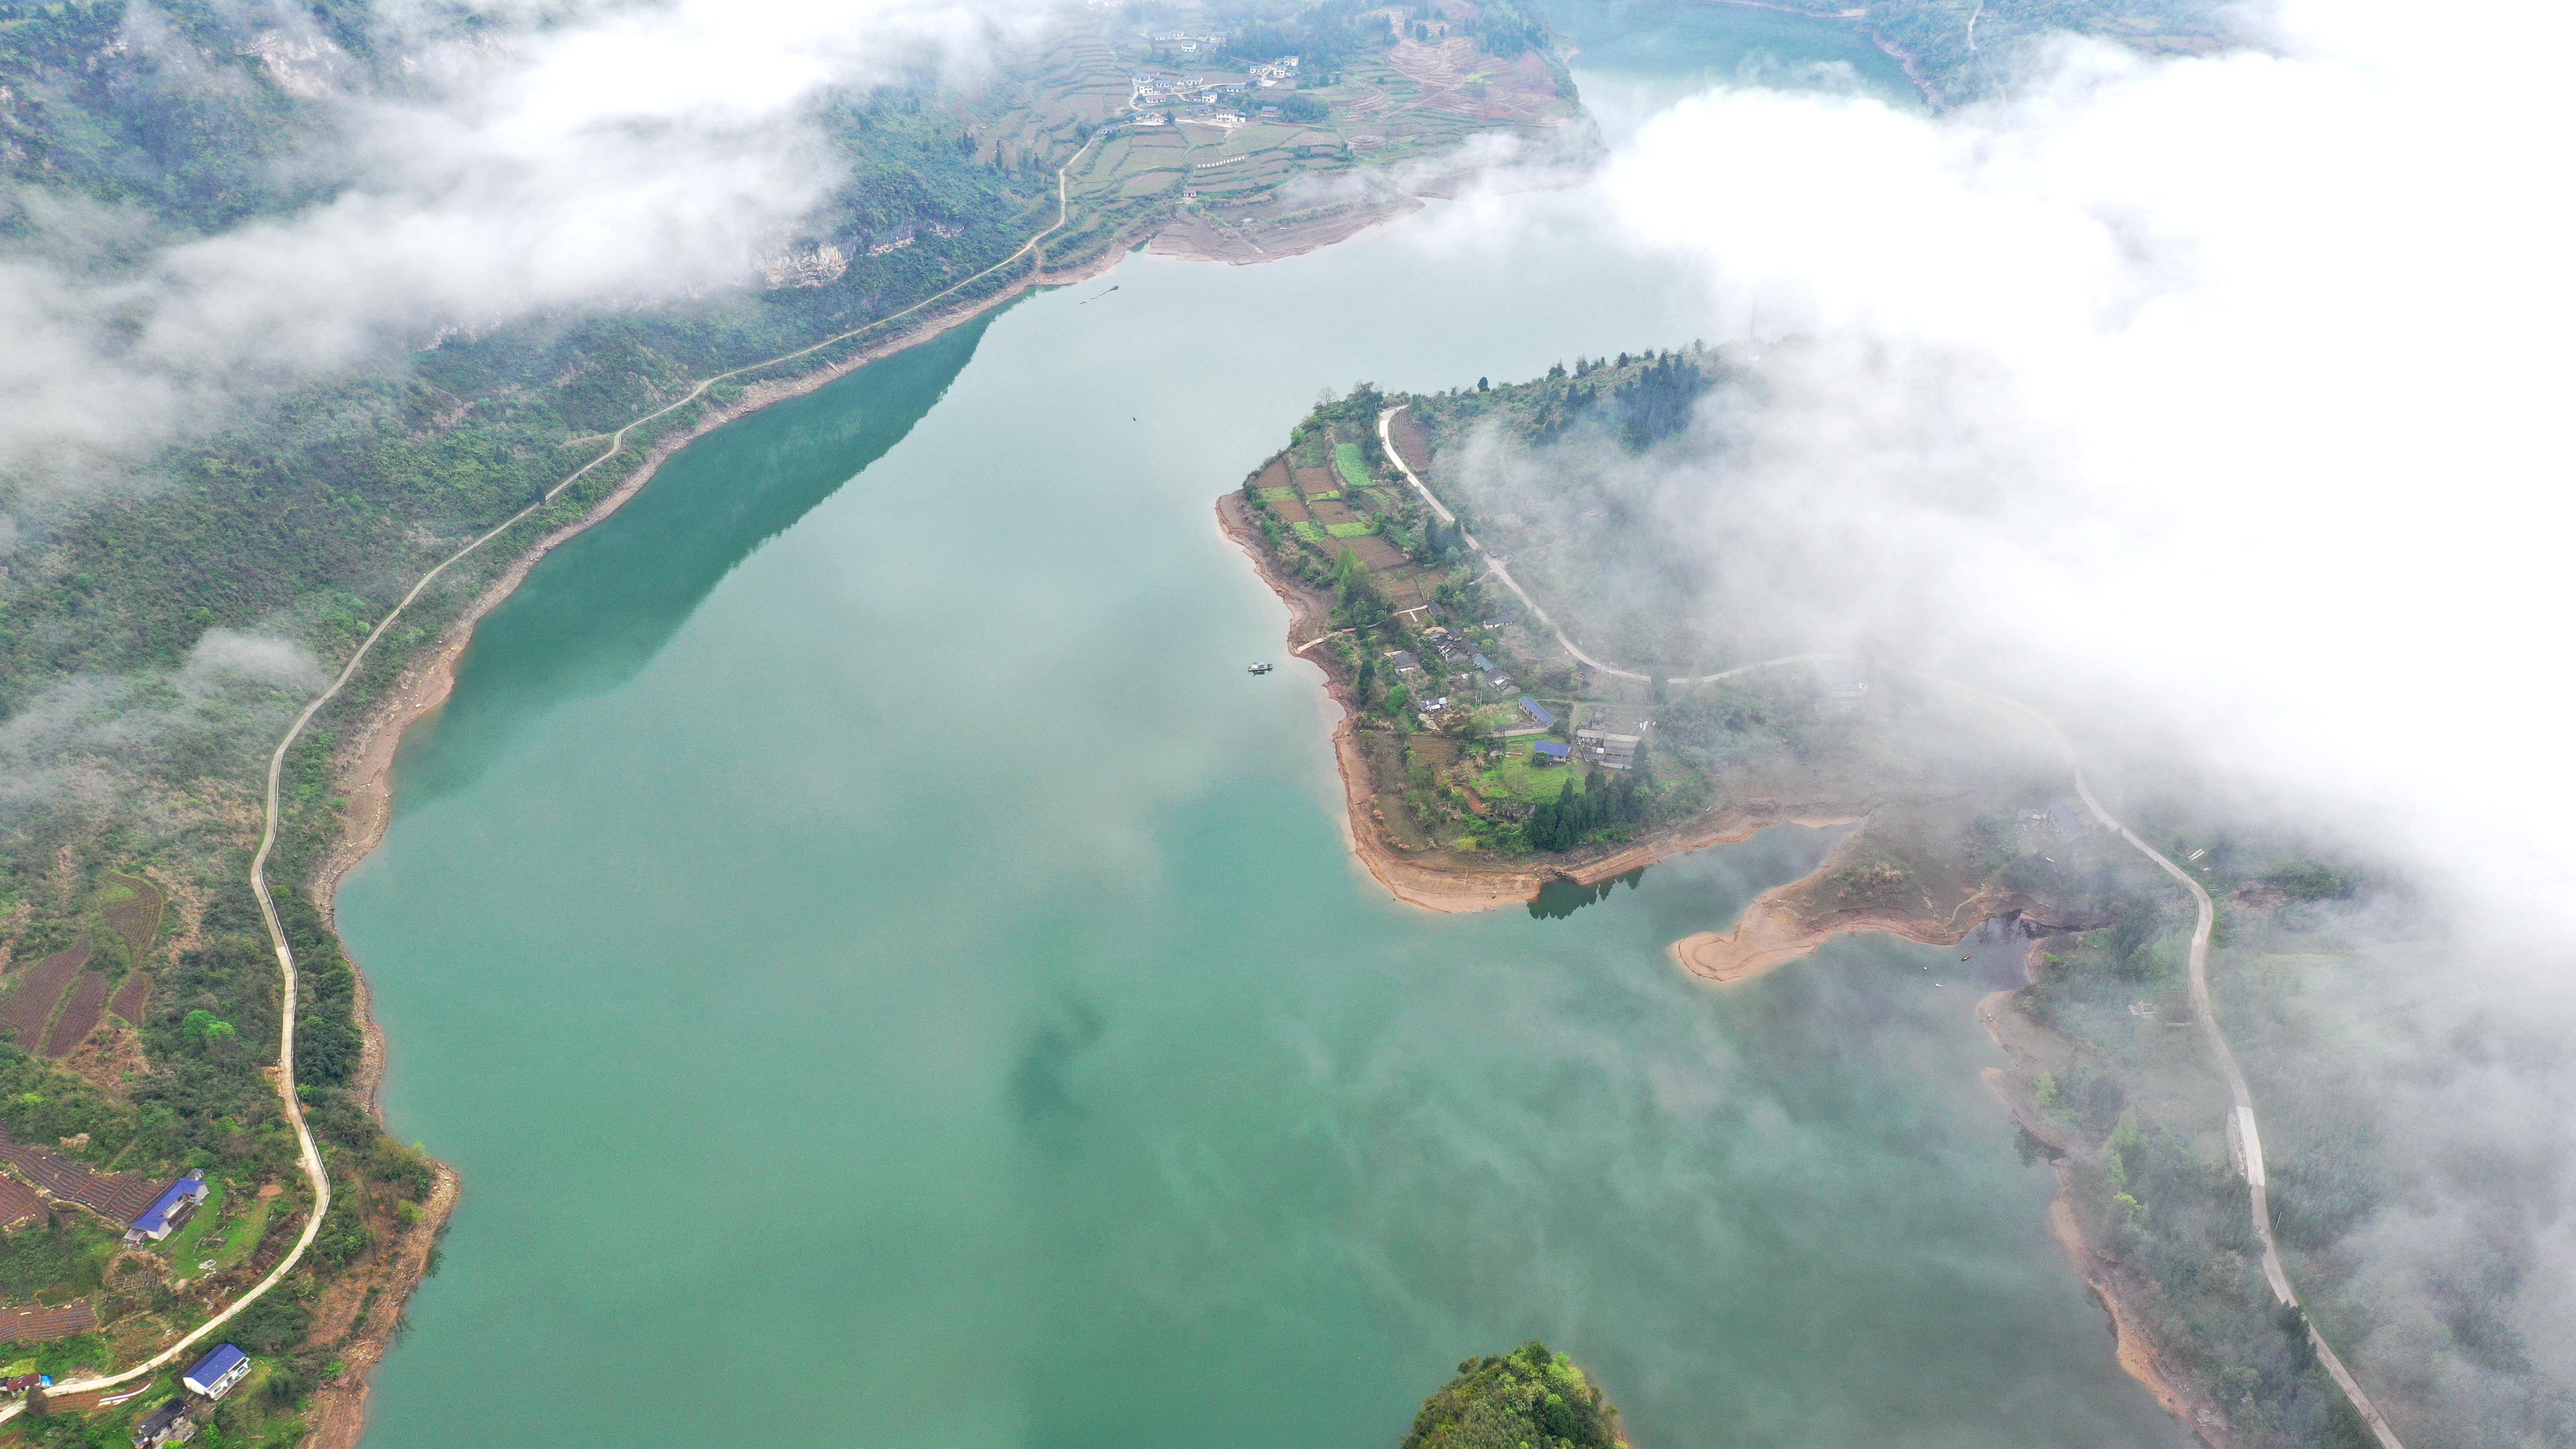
[(1634, 57), (887, 974)]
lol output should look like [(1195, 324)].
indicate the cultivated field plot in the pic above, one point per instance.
[(18, 1203), (79, 1015), (30, 1003), (132, 908), (129, 998), (1317, 483), (1354, 468), (119, 1195), (29, 1325), (1381, 557), (1426, 97), (1412, 443)]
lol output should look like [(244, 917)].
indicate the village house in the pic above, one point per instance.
[(175, 1206), (1550, 752), (216, 1373), (1539, 714), (1611, 750), (168, 1424), (1405, 661)]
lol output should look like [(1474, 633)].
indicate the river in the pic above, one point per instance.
[(889, 976)]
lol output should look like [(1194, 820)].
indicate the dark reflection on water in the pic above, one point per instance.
[(1561, 897), (607, 602)]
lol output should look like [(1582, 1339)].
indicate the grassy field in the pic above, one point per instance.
[(1518, 776), (1350, 530), (212, 1239), (185, 1248), (1355, 469), (243, 1235)]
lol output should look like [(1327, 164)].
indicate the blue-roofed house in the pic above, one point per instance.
[(168, 1210), (1483, 664), (216, 1373), (1551, 752), (1546, 717)]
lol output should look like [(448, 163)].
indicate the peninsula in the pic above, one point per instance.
[(1535, 706)]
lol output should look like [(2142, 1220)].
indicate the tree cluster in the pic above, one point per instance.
[(1574, 816), (1532, 1398)]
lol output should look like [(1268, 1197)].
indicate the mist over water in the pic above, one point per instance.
[(888, 975)]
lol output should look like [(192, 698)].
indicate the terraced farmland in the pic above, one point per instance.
[(31, 999), (79, 1016)]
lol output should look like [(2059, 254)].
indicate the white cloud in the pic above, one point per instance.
[(257, 658), (2226, 387), (609, 155)]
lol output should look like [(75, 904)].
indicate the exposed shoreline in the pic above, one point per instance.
[(2135, 1348)]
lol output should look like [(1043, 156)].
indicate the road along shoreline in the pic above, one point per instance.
[(364, 765)]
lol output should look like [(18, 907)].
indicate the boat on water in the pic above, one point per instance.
[(1259, 666)]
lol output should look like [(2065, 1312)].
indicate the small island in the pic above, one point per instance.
[(1490, 753), (1532, 1398)]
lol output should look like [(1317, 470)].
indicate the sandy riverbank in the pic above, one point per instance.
[(1776, 929), (1770, 935)]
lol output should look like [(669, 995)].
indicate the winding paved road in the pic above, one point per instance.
[(2242, 1128), (1386, 437), (2248, 1139), (283, 1074)]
